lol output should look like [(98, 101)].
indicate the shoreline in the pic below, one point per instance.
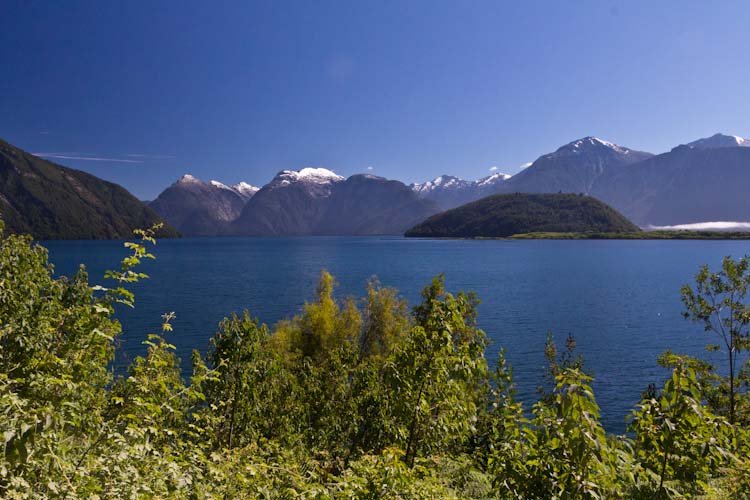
[(642, 235)]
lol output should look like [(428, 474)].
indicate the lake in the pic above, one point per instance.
[(620, 299)]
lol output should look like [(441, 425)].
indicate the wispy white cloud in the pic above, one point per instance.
[(493, 168), (74, 156), (151, 157), (369, 168), (705, 226)]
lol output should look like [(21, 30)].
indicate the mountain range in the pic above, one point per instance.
[(697, 182), (311, 201), (700, 181), (686, 185), (200, 208), (449, 191)]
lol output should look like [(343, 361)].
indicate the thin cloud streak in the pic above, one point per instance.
[(84, 158), (152, 157)]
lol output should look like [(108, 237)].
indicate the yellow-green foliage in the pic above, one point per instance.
[(322, 327), (348, 399)]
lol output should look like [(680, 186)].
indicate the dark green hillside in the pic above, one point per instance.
[(50, 201), (504, 215)]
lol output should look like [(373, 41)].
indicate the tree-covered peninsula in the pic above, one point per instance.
[(504, 215)]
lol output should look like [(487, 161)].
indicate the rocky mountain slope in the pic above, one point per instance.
[(366, 204), (686, 185), (199, 208), (318, 201), (573, 168)]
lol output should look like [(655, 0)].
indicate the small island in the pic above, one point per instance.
[(506, 215)]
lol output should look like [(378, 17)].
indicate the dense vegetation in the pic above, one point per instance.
[(49, 201), (348, 399), (641, 235), (504, 215)]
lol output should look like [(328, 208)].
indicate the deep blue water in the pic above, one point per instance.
[(620, 299)]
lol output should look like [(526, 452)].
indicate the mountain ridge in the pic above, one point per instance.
[(685, 185), (321, 202), (51, 201), (694, 182), (198, 208)]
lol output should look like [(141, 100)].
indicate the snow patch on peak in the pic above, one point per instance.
[(319, 174), (441, 182), (187, 178), (308, 174), (245, 189), (453, 183), (591, 141), (719, 141), (492, 179), (220, 185)]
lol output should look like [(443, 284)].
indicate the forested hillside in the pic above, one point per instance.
[(504, 215), (50, 201), (347, 399)]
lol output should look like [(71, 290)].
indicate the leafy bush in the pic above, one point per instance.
[(348, 399)]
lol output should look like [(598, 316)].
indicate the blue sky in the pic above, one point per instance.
[(413, 89)]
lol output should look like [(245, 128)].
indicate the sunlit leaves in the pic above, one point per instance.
[(347, 399)]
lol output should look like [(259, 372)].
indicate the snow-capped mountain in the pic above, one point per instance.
[(245, 190), (702, 180), (318, 201), (441, 183), (315, 182), (199, 208), (449, 191), (308, 175), (495, 179), (573, 168), (719, 141)]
